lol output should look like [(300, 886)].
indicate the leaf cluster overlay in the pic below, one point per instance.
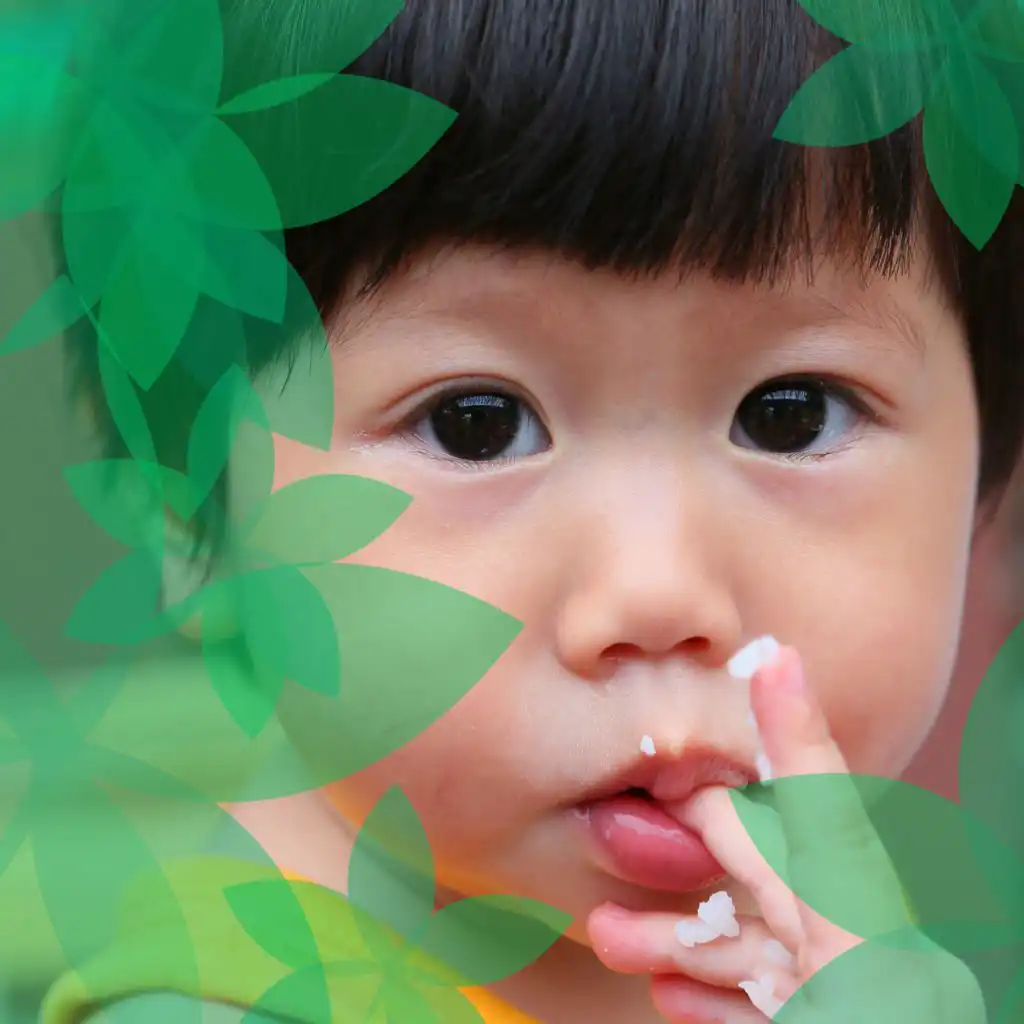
[(173, 161), (959, 62)]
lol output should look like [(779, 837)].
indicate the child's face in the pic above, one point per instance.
[(647, 523)]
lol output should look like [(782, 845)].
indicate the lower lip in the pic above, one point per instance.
[(644, 845)]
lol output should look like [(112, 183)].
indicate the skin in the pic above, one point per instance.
[(642, 548)]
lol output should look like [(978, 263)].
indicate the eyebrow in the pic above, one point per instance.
[(881, 315)]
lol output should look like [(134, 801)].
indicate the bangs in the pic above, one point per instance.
[(632, 135)]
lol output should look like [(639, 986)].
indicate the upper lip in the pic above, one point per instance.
[(674, 779)]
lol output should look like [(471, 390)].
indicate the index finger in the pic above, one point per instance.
[(836, 861)]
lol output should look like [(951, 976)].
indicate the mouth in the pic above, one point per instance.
[(631, 833)]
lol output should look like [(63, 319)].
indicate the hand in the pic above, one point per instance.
[(782, 949)]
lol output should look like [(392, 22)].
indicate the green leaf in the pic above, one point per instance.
[(296, 387), (341, 145), (391, 868), (451, 1006), (250, 698), (117, 495), (328, 40), (273, 918), (175, 58), (307, 995), (393, 690), (325, 518), (868, 898), (975, 194), (145, 312), (222, 175), (405, 1004), (289, 630), (859, 95), (984, 113), (214, 428), (122, 402), (245, 270), (273, 94), (892, 24), (250, 471), (123, 606), (489, 938), (991, 756), (58, 308), (38, 102), (15, 661), (996, 29)]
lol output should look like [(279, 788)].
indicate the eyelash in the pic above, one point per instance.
[(847, 393)]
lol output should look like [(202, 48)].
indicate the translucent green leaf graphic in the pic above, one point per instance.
[(341, 145), (975, 193), (885, 23), (175, 58), (858, 95), (449, 640), (488, 938), (391, 868), (123, 404), (996, 29), (145, 311), (305, 996), (223, 175), (889, 983), (38, 104), (984, 114), (123, 606), (58, 308), (272, 917), (274, 93), (289, 630), (325, 518), (329, 47), (245, 270), (115, 493)]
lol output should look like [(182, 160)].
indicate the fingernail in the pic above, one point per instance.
[(775, 952), (746, 661)]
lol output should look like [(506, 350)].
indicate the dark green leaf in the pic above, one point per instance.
[(39, 103), (122, 402), (984, 113), (325, 518), (57, 309), (221, 174), (328, 40), (391, 870), (404, 1004), (118, 496), (289, 630), (885, 23), (145, 312), (859, 95), (214, 428), (273, 94), (123, 606), (250, 698), (448, 640), (341, 145), (996, 29), (175, 58), (974, 193), (273, 918), (307, 995), (489, 938)]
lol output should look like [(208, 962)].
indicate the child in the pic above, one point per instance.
[(658, 385)]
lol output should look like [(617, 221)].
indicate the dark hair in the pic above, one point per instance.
[(636, 135)]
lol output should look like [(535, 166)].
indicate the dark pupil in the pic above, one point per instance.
[(476, 427), (784, 419)]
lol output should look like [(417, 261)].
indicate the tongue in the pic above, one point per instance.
[(648, 847)]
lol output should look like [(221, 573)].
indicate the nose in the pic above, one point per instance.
[(650, 582)]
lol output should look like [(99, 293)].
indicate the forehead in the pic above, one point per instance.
[(532, 294)]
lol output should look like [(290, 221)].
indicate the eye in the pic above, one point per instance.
[(481, 427), (798, 418)]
